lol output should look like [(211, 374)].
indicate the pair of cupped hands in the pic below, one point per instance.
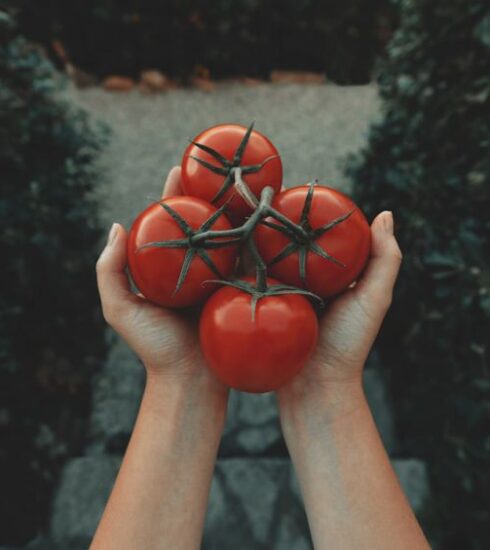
[(167, 340)]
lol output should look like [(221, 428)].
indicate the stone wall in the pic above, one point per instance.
[(255, 501)]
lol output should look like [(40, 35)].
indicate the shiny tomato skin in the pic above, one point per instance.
[(349, 242), (261, 355), (155, 271), (199, 181)]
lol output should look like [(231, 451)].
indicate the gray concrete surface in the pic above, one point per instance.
[(313, 127)]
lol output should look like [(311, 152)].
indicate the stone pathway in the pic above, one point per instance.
[(255, 502)]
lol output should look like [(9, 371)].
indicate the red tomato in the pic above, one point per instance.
[(261, 354), (200, 181), (348, 243), (155, 271)]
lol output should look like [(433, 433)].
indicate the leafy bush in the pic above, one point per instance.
[(50, 332), (428, 161), (230, 37)]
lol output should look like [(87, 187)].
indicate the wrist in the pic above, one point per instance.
[(326, 402), (203, 395)]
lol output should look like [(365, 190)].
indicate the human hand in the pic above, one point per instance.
[(165, 340), (351, 323)]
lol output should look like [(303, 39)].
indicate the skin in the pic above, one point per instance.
[(351, 494)]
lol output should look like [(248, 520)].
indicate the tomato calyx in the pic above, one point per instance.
[(259, 292), (198, 242), (305, 242), (227, 168), (193, 247)]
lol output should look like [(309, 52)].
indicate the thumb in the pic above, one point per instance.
[(375, 289), (114, 288), (172, 185)]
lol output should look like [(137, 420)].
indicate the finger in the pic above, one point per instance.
[(114, 288), (172, 185), (376, 285)]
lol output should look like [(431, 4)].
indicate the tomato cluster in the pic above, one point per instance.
[(256, 333)]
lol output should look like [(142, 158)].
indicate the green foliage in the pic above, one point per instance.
[(49, 329), (428, 161), (230, 37)]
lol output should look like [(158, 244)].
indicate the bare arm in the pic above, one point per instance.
[(351, 493), (160, 495)]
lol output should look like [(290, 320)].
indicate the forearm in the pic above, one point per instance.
[(160, 495), (352, 496)]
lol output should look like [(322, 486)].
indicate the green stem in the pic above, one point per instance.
[(260, 266), (295, 228), (247, 228), (243, 189)]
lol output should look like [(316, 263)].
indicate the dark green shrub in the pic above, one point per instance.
[(230, 37), (428, 161), (50, 331)]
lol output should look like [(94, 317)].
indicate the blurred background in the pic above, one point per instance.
[(384, 99)]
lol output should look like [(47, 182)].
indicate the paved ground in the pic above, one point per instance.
[(255, 502), (313, 127)]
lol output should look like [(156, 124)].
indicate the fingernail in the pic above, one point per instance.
[(388, 222), (112, 234)]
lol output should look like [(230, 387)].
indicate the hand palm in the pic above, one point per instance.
[(352, 320), (167, 340), (163, 338), (343, 344)]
